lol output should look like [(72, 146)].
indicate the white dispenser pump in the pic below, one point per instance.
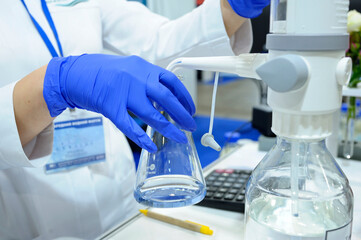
[(298, 183)]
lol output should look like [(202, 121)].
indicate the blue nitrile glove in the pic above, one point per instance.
[(111, 85), (248, 8)]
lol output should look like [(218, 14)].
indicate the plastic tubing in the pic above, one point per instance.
[(295, 148), (213, 102)]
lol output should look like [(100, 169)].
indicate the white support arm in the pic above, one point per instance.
[(243, 65)]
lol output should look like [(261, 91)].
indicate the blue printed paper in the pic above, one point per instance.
[(77, 143)]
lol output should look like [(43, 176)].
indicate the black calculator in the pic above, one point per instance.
[(226, 189)]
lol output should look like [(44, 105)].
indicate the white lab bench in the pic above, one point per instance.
[(226, 225)]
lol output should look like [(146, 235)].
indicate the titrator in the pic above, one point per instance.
[(298, 191)]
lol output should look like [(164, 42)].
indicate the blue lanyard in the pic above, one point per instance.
[(41, 31)]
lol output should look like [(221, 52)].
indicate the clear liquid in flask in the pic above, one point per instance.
[(271, 216)]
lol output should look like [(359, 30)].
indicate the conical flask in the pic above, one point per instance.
[(298, 191), (172, 176)]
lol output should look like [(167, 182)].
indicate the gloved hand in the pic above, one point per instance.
[(248, 8), (111, 85)]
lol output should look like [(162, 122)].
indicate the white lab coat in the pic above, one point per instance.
[(89, 200)]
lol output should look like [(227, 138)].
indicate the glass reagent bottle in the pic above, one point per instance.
[(298, 192)]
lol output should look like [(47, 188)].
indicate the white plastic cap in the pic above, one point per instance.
[(302, 126)]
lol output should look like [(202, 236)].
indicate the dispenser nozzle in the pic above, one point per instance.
[(207, 140), (243, 65)]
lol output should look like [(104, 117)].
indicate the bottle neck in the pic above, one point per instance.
[(305, 141), (302, 143)]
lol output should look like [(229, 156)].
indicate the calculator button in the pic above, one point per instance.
[(225, 174), (243, 191), (233, 191), (219, 170), (217, 184), (231, 179), (211, 188), (211, 178), (209, 194), (209, 182), (237, 185), (222, 179), (227, 184), (240, 198), (229, 171), (218, 195), (241, 180), (229, 196), (234, 175), (223, 190), (243, 175), (215, 174)]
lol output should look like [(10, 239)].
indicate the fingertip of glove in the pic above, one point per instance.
[(150, 147), (192, 109), (189, 124), (183, 138), (179, 136), (193, 129), (192, 126)]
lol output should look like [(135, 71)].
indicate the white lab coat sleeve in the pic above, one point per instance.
[(12, 154), (131, 28)]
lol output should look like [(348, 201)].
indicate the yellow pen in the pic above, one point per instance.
[(181, 223)]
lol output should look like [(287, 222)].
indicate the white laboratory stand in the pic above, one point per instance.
[(351, 92), (226, 225)]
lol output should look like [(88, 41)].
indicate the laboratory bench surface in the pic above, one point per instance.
[(226, 225)]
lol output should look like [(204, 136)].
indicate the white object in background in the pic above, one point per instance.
[(349, 138), (301, 16), (351, 92)]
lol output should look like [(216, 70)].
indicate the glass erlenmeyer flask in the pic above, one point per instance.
[(298, 191), (170, 177)]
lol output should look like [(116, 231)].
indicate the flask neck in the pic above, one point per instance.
[(309, 149), (319, 142)]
